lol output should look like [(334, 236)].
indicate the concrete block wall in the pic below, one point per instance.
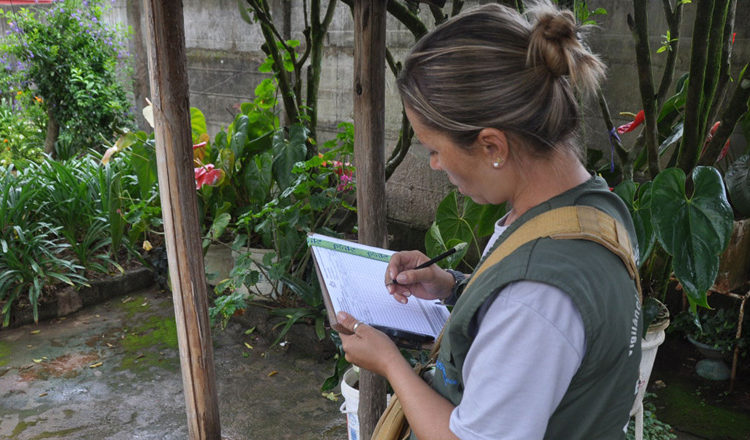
[(224, 54)]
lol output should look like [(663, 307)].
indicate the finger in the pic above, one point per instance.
[(403, 298), (347, 321), (400, 261)]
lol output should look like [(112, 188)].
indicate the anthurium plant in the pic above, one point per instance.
[(668, 169), (463, 224), (689, 230)]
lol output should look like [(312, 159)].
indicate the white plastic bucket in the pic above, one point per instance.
[(351, 402), (649, 345)]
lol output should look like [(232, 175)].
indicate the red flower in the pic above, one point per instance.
[(207, 175), (199, 152), (710, 136), (630, 126)]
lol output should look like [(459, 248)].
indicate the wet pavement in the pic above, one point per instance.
[(111, 371)]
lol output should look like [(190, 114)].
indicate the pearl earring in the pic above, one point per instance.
[(499, 161)]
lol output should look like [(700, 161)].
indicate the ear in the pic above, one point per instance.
[(493, 145)]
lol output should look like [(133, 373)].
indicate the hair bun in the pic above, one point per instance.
[(550, 36), (554, 44), (558, 27)]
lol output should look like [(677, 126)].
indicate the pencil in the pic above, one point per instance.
[(431, 261), (440, 257)]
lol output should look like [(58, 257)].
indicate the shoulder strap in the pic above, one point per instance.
[(578, 222), (569, 223)]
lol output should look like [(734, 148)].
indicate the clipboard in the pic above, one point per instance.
[(351, 278)]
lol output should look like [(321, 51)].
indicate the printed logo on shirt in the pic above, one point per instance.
[(440, 366), (634, 327)]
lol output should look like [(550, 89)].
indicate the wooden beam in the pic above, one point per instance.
[(174, 155), (369, 157)]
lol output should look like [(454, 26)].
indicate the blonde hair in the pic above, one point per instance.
[(493, 67)]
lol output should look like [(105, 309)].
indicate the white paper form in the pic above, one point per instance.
[(356, 285)]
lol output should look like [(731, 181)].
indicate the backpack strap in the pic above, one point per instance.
[(570, 223)]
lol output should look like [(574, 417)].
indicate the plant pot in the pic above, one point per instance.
[(263, 286), (218, 262), (649, 346), (220, 259), (350, 391), (713, 366)]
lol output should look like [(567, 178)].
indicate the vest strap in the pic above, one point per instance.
[(577, 222)]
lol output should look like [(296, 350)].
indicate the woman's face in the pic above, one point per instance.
[(470, 170)]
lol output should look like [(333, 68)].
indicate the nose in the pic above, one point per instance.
[(434, 162)]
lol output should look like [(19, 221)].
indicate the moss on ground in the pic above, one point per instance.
[(682, 405), (4, 353), (134, 306), (144, 344)]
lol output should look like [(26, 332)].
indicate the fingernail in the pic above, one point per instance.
[(402, 300), (401, 278), (341, 316)]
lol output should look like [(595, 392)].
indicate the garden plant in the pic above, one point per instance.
[(65, 57)]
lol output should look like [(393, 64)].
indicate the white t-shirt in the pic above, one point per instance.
[(529, 346)]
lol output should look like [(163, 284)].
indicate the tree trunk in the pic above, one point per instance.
[(53, 132)]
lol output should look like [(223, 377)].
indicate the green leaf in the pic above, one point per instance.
[(433, 241), (676, 101), (434, 245), (240, 128), (638, 200), (737, 179), (675, 136), (197, 123), (451, 221), (287, 153), (219, 225), (483, 217), (261, 144), (242, 5), (258, 178), (693, 230)]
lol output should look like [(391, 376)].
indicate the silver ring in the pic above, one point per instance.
[(356, 324)]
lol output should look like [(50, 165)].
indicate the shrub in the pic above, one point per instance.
[(68, 56), (22, 121), (30, 249)]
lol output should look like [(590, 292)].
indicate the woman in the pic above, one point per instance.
[(542, 347)]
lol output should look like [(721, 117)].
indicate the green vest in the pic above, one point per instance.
[(598, 401)]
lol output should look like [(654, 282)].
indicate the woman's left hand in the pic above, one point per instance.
[(367, 347)]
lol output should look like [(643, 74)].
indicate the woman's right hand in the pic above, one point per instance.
[(432, 282)]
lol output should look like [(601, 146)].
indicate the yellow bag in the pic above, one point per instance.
[(569, 222)]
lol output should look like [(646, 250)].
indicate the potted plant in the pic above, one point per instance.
[(714, 335)]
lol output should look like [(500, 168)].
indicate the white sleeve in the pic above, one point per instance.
[(529, 345)]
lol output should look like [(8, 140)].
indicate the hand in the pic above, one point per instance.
[(432, 282), (367, 347)]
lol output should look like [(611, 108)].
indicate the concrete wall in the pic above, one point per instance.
[(224, 54)]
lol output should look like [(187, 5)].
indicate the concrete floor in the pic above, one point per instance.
[(112, 372)]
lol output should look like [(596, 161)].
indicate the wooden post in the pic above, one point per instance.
[(174, 154), (369, 157)]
